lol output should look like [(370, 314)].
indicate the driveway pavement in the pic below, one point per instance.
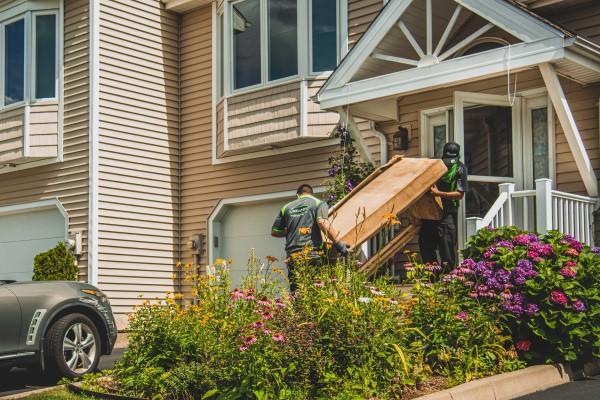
[(21, 380), (587, 389)]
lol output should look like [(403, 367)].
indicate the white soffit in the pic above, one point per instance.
[(431, 50), (181, 6)]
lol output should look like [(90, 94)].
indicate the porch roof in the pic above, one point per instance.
[(412, 46)]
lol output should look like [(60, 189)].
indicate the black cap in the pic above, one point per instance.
[(451, 150)]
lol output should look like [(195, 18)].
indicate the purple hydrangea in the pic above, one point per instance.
[(578, 306), (531, 309), (596, 250), (506, 244)]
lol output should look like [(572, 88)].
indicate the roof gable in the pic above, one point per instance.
[(410, 34)]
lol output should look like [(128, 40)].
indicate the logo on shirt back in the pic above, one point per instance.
[(298, 211)]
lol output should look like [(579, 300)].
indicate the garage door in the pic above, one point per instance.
[(25, 234), (247, 227)]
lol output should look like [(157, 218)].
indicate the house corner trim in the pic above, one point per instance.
[(93, 122)]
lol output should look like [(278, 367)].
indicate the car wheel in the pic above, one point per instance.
[(72, 346)]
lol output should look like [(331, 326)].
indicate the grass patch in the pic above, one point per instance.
[(58, 394)]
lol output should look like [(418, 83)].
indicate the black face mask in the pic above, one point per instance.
[(449, 161)]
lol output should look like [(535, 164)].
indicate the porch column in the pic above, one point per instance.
[(563, 111)]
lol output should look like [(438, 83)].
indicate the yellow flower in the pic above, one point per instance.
[(178, 296), (271, 259), (392, 219), (277, 270), (330, 300), (174, 276), (220, 261), (356, 311), (305, 230)]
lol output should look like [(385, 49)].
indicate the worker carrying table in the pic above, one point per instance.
[(440, 236), (301, 223)]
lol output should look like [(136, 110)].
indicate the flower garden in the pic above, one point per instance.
[(516, 299)]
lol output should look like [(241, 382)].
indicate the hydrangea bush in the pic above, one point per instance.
[(545, 287)]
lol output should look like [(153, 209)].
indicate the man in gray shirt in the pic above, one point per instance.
[(301, 223)]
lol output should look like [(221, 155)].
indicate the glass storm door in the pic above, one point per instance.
[(488, 129)]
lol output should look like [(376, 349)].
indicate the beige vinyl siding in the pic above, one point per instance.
[(264, 117), (138, 146), (583, 19), (320, 123), (203, 185), (583, 101), (68, 180), (272, 117), (43, 131), (360, 15), (11, 134)]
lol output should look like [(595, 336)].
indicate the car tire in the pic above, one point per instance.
[(72, 346)]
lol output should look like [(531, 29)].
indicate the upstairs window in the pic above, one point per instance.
[(29, 57), (274, 40)]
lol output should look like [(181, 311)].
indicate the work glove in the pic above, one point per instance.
[(341, 248)]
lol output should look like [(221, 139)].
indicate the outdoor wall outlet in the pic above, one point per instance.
[(196, 244)]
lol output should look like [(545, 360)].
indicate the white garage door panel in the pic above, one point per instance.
[(248, 227), (23, 236)]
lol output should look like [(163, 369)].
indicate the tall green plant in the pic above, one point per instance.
[(56, 264), (346, 170)]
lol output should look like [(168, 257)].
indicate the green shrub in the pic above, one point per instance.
[(338, 337), (56, 264), (547, 288)]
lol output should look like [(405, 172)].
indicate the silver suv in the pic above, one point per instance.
[(63, 327)]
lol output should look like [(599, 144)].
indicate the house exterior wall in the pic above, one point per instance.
[(67, 180), (138, 146), (203, 184)]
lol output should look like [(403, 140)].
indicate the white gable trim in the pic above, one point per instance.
[(447, 73), (362, 50), (510, 19), (502, 14)]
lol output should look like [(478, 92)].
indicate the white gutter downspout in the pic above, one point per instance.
[(93, 122), (383, 148)]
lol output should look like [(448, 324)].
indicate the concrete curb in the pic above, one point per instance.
[(31, 392), (515, 384)]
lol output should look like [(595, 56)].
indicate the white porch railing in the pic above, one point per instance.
[(540, 210)]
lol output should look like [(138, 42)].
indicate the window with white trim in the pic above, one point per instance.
[(29, 63), (262, 42)]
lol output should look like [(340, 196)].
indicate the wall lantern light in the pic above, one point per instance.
[(400, 139)]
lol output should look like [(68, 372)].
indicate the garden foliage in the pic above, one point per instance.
[(56, 264), (337, 337)]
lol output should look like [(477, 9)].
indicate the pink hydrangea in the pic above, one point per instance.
[(558, 297), (523, 345), (568, 272), (572, 253)]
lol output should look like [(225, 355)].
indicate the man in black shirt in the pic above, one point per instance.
[(441, 236), (301, 222)]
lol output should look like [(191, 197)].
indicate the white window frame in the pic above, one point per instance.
[(26, 17), (33, 79), (533, 100), (339, 37), (304, 46), (29, 72), (428, 118)]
